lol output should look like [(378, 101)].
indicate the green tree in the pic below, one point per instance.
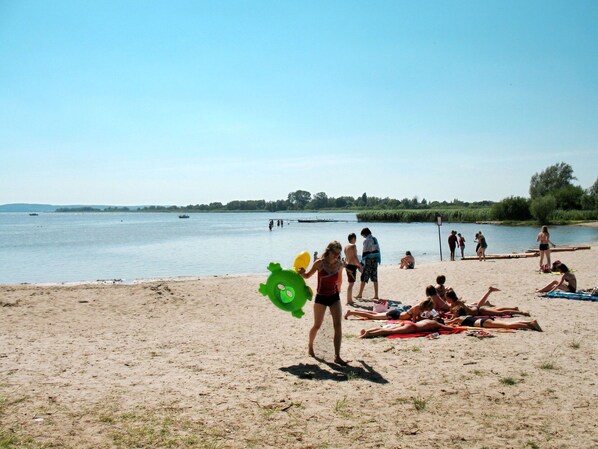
[(512, 208), (568, 197), (553, 178), (320, 201), (299, 199), (542, 208)]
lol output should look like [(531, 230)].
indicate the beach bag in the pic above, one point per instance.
[(381, 306), (546, 269)]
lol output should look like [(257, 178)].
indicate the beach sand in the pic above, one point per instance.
[(210, 363)]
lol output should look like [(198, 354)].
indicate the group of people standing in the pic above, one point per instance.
[(455, 240)]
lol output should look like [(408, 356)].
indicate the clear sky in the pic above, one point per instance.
[(185, 102)]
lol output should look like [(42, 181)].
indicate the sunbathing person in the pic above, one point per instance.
[(472, 321), (437, 296), (404, 327), (413, 314), (459, 308), (567, 282)]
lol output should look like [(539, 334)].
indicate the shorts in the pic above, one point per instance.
[(571, 289), (351, 273), (327, 300), (544, 246), (370, 270), (394, 314), (471, 320)]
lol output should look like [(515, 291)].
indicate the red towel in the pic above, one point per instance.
[(457, 330)]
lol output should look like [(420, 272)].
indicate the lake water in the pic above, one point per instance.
[(70, 247)]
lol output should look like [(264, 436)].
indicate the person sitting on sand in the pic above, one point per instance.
[(408, 262), (404, 327), (441, 305), (567, 282), (413, 314), (459, 308), (472, 321), (440, 288)]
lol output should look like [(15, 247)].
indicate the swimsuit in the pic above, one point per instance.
[(327, 300), (395, 314), (471, 320), (370, 270), (543, 246), (351, 273), (328, 282)]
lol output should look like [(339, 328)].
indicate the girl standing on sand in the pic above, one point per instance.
[(544, 239), (329, 272)]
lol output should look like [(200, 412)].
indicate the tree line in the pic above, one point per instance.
[(552, 196)]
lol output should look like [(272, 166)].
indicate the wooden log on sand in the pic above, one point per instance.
[(560, 248), (503, 256)]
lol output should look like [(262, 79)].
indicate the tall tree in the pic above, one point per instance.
[(299, 199), (553, 178)]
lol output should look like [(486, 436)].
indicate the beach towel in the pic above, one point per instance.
[(456, 330), (575, 296)]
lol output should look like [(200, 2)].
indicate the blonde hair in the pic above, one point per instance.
[(334, 245)]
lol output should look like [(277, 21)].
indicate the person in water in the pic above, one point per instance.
[(330, 278), (567, 282)]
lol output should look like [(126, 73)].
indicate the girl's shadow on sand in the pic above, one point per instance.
[(339, 373)]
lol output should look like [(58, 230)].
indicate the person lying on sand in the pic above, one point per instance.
[(404, 327), (413, 314), (459, 308), (567, 282), (472, 321)]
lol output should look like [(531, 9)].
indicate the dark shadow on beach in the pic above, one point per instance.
[(337, 372)]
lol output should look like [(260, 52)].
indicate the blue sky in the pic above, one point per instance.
[(176, 102)]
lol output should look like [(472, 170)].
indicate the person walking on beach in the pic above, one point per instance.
[(330, 279), (483, 246), (371, 258), (461, 245), (544, 239), (353, 264), (452, 242)]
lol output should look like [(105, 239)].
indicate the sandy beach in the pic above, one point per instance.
[(211, 363)]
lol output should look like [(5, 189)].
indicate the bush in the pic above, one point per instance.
[(512, 208), (542, 208), (460, 215)]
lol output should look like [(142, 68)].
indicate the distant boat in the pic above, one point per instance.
[(33, 214), (183, 216), (315, 220)]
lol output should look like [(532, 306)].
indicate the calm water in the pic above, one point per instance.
[(92, 246)]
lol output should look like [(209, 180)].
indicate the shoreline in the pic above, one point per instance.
[(214, 276)]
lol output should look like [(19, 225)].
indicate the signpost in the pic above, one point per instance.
[(439, 223)]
